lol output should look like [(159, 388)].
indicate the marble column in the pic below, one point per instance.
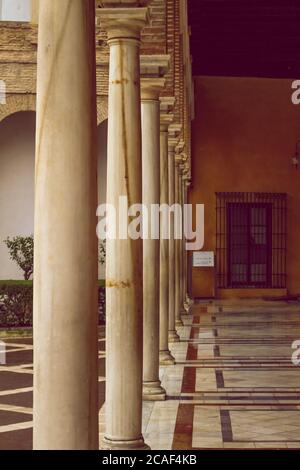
[(124, 271), (184, 252), (151, 88), (65, 403), (188, 301), (178, 252), (166, 357), (181, 247), (173, 336), (35, 11)]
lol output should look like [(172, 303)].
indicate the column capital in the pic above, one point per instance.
[(165, 121), (123, 23), (182, 170), (153, 70), (172, 142), (151, 88), (184, 158), (174, 132), (187, 179), (167, 104), (186, 170), (180, 146), (180, 159), (156, 65), (186, 175)]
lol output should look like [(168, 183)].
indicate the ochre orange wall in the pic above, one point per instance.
[(243, 137)]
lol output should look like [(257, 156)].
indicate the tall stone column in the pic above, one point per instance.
[(65, 409), (35, 11), (188, 300), (184, 252), (166, 357), (182, 244), (178, 251), (124, 271), (173, 336), (151, 89)]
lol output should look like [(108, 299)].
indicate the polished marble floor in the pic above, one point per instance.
[(233, 386)]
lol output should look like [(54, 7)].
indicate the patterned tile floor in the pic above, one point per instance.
[(233, 385)]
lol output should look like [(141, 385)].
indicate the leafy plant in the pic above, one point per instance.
[(15, 305), (21, 251), (102, 252)]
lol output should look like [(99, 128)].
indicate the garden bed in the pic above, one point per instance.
[(16, 300)]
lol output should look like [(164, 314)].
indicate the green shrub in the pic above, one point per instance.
[(16, 303), (21, 251), (102, 252), (101, 305)]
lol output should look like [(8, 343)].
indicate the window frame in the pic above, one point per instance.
[(276, 234)]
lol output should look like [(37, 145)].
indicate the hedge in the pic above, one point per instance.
[(16, 298)]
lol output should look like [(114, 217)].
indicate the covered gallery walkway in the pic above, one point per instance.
[(233, 385), (172, 374)]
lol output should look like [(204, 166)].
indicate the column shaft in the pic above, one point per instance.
[(152, 389), (124, 266), (165, 356), (178, 254), (188, 301), (173, 336), (182, 248), (65, 411), (184, 285)]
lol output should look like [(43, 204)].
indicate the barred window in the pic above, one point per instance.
[(251, 240)]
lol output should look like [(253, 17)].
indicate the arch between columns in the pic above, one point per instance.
[(102, 109), (17, 103)]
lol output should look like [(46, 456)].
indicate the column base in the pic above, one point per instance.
[(173, 337), (139, 444), (166, 358), (188, 303), (179, 322), (153, 391), (187, 308)]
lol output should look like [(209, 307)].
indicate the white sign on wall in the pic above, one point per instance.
[(203, 259)]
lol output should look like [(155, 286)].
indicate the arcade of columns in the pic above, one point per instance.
[(149, 113)]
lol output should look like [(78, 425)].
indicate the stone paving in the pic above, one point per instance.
[(233, 386)]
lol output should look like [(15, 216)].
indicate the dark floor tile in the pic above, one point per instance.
[(101, 394), (19, 357), (16, 440), (183, 435), (19, 340), (12, 380), (189, 380), (11, 417), (19, 399), (101, 367)]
